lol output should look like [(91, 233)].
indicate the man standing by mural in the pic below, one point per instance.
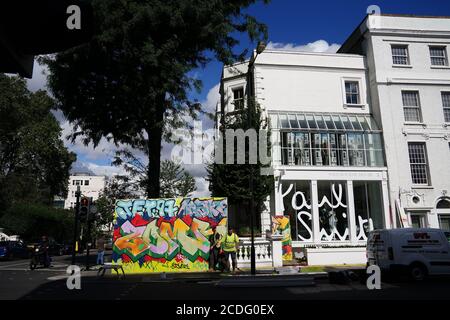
[(216, 243), (230, 246)]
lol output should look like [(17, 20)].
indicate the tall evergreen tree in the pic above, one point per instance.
[(232, 180)]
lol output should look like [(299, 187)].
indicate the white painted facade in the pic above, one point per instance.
[(336, 202), (90, 186), (416, 203)]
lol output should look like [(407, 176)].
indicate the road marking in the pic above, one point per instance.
[(55, 278), (13, 265), (35, 270)]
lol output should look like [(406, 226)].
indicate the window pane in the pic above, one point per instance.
[(311, 122), (446, 105), (302, 121), (374, 150), (329, 122), (325, 152), (438, 56), (302, 149), (352, 92), (412, 114), (418, 163), (338, 123), (444, 223), (299, 209), (368, 207), (400, 54), (355, 123), (342, 152), (238, 98), (317, 155), (347, 123), (410, 98), (293, 121), (443, 204), (416, 221), (284, 121), (333, 210), (364, 124), (446, 99), (320, 122), (356, 149), (411, 106)]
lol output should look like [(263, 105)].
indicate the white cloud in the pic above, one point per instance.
[(202, 188), (212, 98), (316, 46), (103, 170), (104, 149)]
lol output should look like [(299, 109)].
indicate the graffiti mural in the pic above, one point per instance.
[(281, 224), (166, 235)]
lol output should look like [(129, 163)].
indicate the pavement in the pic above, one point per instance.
[(18, 282)]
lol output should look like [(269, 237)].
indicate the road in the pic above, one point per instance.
[(17, 282)]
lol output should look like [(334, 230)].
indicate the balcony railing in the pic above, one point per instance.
[(263, 253)]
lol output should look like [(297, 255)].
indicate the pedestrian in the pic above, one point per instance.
[(100, 250), (230, 247), (215, 241)]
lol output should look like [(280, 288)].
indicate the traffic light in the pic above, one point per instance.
[(84, 208), (93, 211)]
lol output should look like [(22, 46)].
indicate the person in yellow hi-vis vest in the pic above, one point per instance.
[(230, 245)]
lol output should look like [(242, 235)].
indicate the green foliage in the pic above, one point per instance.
[(131, 82), (32, 221), (116, 189), (34, 164), (175, 181), (232, 180)]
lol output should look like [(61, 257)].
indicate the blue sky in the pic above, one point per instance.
[(298, 23), (303, 22)]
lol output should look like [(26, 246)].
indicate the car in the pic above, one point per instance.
[(55, 248), (416, 252), (13, 249), (109, 244)]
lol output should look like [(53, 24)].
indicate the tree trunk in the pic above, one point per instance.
[(154, 144)]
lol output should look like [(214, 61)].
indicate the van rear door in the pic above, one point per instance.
[(376, 248)]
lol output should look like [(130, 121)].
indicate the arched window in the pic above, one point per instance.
[(443, 204)]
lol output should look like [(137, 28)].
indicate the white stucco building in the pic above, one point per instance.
[(345, 158), (409, 73), (90, 186)]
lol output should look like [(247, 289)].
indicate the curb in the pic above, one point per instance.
[(255, 283)]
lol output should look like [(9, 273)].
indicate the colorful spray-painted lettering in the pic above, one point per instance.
[(166, 235)]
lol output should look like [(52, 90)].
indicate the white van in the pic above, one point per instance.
[(417, 252)]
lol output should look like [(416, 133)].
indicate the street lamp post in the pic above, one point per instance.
[(250, 86)]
